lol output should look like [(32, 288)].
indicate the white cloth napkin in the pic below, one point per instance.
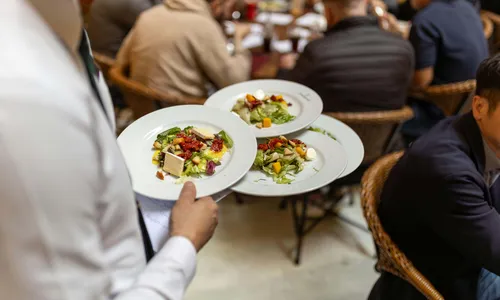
[(156, 214)]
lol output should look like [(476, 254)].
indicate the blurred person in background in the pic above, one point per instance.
[(441, 202), (110, 21), (69, 227), (491, 5), (180, 48), (447, 50), (407, 9), (356, 66)]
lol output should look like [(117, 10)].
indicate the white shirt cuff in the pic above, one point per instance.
[(171, 270), (183, 250)]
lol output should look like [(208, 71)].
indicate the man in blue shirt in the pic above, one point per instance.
[(449, 44)]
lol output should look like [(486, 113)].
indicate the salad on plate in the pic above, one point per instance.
[(263, 110), (189, 152), (282, 158)]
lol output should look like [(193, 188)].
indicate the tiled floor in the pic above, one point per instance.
[(249, 257)]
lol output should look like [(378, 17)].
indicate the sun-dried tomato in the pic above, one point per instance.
[(263, 147), (253, 104), (186, 155), (190, 143), (272, 143), (181, 135), (217, 145), (297, 142)]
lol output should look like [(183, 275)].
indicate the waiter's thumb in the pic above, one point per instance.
[(188, 193)]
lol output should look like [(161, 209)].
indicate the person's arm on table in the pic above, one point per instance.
[(220, 67), (423, 40), (466, 221), (296, 69)]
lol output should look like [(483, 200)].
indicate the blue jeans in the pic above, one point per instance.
[(488, 286)]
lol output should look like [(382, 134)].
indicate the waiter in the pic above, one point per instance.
[(68, 221)]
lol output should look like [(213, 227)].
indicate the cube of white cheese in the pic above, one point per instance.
[(173, 164), (311, 154), (259, 95), (203, 133)]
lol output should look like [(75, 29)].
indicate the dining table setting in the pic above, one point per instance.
[(279, 28)]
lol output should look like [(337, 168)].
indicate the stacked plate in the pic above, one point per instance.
[(224, 112)]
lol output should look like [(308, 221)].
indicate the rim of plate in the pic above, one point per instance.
[(310, 102), (347, 138), (140, 133), (330, 171)]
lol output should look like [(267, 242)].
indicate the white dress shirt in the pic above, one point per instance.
[(68, 221)]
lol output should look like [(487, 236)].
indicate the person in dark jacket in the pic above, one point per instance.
[(441, 202), (111, 20), (356, 66)]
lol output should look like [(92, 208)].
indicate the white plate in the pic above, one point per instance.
[(347, 138), (137, 139), (306, 103), (330, 162)]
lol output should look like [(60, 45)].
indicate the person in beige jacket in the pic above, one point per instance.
[(180, 48)]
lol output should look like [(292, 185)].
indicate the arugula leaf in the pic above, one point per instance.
[(167, 136), (174, 130), (186, 130), (226, 138)]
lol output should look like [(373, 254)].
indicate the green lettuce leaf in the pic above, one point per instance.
[(226, 138), (259, 159)]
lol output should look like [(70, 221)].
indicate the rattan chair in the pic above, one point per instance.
[(495, 19), (104, 62), (376, 129), (487, 25), (450, 98), (142, 99), (390, 258)]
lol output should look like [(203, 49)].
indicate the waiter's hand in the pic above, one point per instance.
[(195, 220)]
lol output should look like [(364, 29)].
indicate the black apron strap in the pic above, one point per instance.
[(92, 74)]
